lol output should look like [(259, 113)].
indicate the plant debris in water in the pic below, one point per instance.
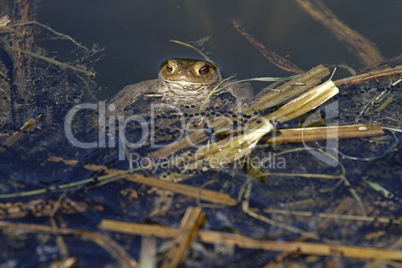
[(226, 184)]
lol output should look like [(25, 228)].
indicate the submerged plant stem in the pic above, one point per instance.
[(52, 61), (277, 60), (360, 45)]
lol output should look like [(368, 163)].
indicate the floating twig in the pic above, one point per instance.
[(324, 133), (305, 103), (195, 192), (65, 263), (113, 174), (291, 89), (137, 228), (189, 226), (361, 78), (17, 135), (380, 64), (377, 219), (105, 242), (227, 239), (320, 249)]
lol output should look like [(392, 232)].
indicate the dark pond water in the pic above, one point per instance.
[(136, 34), (135, 37)]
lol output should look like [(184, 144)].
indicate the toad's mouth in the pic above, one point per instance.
[(187, 86)]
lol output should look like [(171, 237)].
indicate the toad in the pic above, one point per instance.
[(181, 82)]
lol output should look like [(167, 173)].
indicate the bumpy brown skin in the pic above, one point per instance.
[(182, 82)]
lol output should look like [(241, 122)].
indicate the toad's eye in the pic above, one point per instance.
[(169, 68), (204, 69)]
